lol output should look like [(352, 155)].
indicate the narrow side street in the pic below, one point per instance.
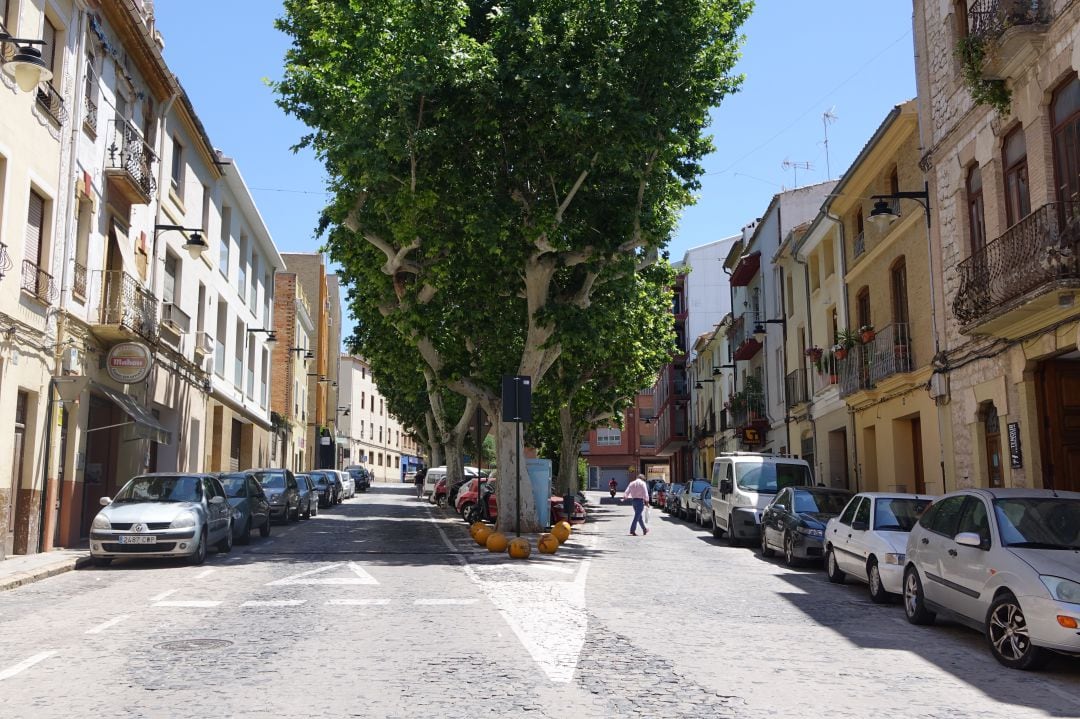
[(378, 607)]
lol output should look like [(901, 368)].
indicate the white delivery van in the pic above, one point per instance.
[(437, 473), (743, 483)]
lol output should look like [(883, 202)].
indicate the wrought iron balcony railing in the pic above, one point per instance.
[(49, 100), (90, 120), (990, 18), (5, 260), (1039, 249), (38, 282), (78, 281), (889, 353), (860, 243), (128, 152), (127, 304), (174, 316), (796, 390), (747, 408)]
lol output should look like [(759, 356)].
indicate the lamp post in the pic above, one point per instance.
[(271, 337), (760, 332), (195, 244), (27, 67)]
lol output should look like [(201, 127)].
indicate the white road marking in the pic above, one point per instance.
[(357, 576), (358, 602), (443, 602), (234, 558), (25, 664), (159, 597), (273, 603), (205, 573), (192, 603), (105, 625)]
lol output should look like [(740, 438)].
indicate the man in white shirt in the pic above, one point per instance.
[(638, 492)]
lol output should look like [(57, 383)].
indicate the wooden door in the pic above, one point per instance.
[(16, 472), (916, 450), (1060, 435), (99, 476)]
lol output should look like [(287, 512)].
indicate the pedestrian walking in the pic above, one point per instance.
[(638, 493), (418, 481)]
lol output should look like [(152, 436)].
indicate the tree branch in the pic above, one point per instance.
[(574, 190)]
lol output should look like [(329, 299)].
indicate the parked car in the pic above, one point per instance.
[(165, 514), (436, 474), (337, 489), (466, 497), (1005, 562), (744, 483), (794, 521), (361, 477), (324, 486), (281, 489), (348, 486), (868, 541), (309, 496), (689, 498), (658, 493), (704, 508), (671, 502), (249, 503)]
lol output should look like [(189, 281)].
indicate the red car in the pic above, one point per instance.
[(467, 497)]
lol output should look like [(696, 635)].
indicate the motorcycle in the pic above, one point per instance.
[(611, 488)]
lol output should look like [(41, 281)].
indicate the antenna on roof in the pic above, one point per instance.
[(827, 118), (796, 166)]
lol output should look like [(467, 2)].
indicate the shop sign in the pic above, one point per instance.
[(128, 362), (1016, 456), (751, 436)]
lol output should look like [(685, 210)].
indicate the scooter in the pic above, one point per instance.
[(611, 488)]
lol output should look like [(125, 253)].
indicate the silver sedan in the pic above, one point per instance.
[(163, 515)]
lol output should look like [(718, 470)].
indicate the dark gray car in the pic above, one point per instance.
[(309, 496), (282, 491), (249, 503)]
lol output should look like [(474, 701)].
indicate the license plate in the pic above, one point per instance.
[(138, 539)]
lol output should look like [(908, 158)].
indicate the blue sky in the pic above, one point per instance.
[(801, 59)]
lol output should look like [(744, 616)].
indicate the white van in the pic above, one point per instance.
[(743, 483), (436, 473)]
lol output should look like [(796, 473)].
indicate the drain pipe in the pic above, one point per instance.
[(844, 305), (810, 329)]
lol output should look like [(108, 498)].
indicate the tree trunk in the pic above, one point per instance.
[(512, 474), (570, 439), (455, 460)]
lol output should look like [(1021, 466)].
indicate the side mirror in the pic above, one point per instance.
[(217, 500), (860, 526), (780, 507), (725, 486), (969, 539), (105, 501)]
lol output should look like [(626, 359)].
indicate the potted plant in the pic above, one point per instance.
[(815, 353), (845, 340), (866, 334)]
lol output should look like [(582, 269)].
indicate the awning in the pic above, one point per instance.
[(745, 270), (146, 425), (123, 243)]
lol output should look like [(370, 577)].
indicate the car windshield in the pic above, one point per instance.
[(771, 477), (1039, 522), (813, 501), (677, 488), (356, 473), (271, 480), (898, 514), (234, 484), (161, 489), (318, 479), (699, 486)]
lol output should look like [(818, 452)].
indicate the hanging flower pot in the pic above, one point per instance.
[(839, 351), (867, 334)]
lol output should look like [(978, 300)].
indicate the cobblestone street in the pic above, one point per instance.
[(382, 607)]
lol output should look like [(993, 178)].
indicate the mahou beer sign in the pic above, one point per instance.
[(128, 362)]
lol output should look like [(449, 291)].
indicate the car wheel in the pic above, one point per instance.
[(731, 538), (441, 501), (264, 531), (307, 512), (101, 561), (245, 536), (766, 550), (225, 545), (878, 595), (914, 600), (199, 555), (832, 568), (716, 531), (1008, 635), (293, 515), (789, 550), (315, 509)]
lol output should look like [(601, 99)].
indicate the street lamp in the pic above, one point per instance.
[(883, 214), (716, 370), (195, 244), (759, 328), (308, 354), (343, 411), (698, 385), (271, 337), (27, 67)]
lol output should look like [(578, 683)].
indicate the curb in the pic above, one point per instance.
[(35, 575)]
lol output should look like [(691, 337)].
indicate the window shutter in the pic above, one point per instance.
[(35, 221)]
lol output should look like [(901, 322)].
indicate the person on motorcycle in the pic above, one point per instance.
[(613, 487)]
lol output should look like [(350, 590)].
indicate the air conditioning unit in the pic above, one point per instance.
[(70, 361), (204, 343)]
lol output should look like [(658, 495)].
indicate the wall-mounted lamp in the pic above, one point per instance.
[(759, 328), (195, 244), (27, 67), (343, 411), (271, 338), (698, 385), (308, 354), (716, 370), (321, 378)]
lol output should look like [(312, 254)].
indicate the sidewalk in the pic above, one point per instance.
[(27, 568)]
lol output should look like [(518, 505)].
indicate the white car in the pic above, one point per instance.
[(1005, 561), (744, 483), (347, 482), (868, 541)]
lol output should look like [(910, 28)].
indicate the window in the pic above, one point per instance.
[(862, 514), (827, 255), (608, 436), (222, 332), (253, 296), (251, 371), (960, 19), (976, 521), (945, 516), (815, 273), (898, 282), (380, 406), (976, 213), (82, 242), (4, 12), (226, 240), (176, 178), (51, 49), (1017, 198), (848, 515), (238, 354), (241, 265), (862, 307), (268, 296), (1065, 112), (894, 182), (206, 200), (200, 312), (380, 435), (35, 229)]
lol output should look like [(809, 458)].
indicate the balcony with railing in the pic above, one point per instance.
[(128, 165), (742, 335), (5, 260), (51, 103), (748, 409), (125, 309), (78, 282), (865, 365), (796, 388), (1012, 31), (90, 118), (1018, 281), (38, 283), (175, 323), (860, 243)]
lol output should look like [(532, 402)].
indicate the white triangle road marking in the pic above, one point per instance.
[(359, 576)]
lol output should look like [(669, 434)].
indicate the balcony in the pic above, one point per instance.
[(204, 343), (38, 283), (1013, 31), (745, 269), (888, 354), (5, 260), (796, 390), (748, 409), (128, 165), (174, 323), (78, 282), (1024, 280), (90, 119), (860, 243), (50, 102), (126, 309), (742, 335)]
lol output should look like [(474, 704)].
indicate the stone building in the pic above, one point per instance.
[(292, 355)]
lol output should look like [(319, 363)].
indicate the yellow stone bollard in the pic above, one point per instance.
[(548, 544), (519, 548), (561, 531), (482, 535), (496, 542)]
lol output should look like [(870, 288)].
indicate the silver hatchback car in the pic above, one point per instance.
[(1006, 561), (163, 515)]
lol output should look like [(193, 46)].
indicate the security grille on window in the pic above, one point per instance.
[(608, 437)]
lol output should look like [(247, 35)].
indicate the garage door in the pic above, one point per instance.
[(619, 474)]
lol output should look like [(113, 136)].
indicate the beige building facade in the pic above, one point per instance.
[(374, 438)]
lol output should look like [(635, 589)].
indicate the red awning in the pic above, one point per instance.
[(747, 349), (746, 269)]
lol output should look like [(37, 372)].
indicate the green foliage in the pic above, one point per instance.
[(993, 92)]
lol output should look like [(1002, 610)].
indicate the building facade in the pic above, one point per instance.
[(292, 355), (622, 453), (373, 437)]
